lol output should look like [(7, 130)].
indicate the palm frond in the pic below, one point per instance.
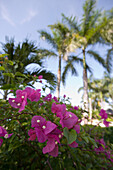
[(70, 66), (79, 90), (109, 60), (48, 37), (71, 22), (88, 8), (47, 75), (41, 53), (97, 57)]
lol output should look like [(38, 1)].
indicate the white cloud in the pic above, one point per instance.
[(5, 15), (31, 15)]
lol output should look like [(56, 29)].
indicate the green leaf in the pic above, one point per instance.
[(3, 55), (2, 68), (9, 75), (86, 139), (9, 62), (20, 74), (93, 141), (8, 86), (70, 135)]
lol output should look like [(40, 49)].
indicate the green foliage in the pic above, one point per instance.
[(70, 135)]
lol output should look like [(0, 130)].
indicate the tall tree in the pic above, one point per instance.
[(86, 34), (107, 35), (60, 40)]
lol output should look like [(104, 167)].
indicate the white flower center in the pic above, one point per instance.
[(22, 97), (18, 104), (6, 136), (62, 133), (60, 136), (13, 101), (70, 115), (38, 121), (43, 127), (56, 142)]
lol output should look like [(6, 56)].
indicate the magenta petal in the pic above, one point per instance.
[(69, 120), (35, 96), (22, 106), (2, 131), (1, 141), (49, 127), (54, 152), (106, 123), (32, 134), (9, 135), (40, 135), (77, 128), (34, 122), (50, 145), (73, 145), (75, 107), (103, 114), (32, 137)]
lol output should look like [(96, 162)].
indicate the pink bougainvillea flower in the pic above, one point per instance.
[(75, 107), (64, 96), (106, 123), (101, 141), (20, 101), (74, 145), (32, 134), (17, 103), (34, 75), (51, 147), (52, 143), (99, 149), (32, 94), (38, 121), (59, 109), (3, 133), (56, 134), (40, 77), (42, 127), (69, 120), (40, 135), (103, 114), (48, 97), (55, 99), (35, 95)]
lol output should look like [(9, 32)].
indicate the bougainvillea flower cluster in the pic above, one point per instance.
[(104, 116), (21, 98), (67, 119), (45, 131), (4, 133)]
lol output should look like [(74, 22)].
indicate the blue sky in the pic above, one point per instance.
[(21, 19)]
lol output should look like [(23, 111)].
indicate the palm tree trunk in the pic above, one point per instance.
[(90, 108), (85, 83), (59, 77)]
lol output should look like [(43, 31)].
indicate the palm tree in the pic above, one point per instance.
[(107, 35), (85, 35), (22, 55), (60, 40)]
